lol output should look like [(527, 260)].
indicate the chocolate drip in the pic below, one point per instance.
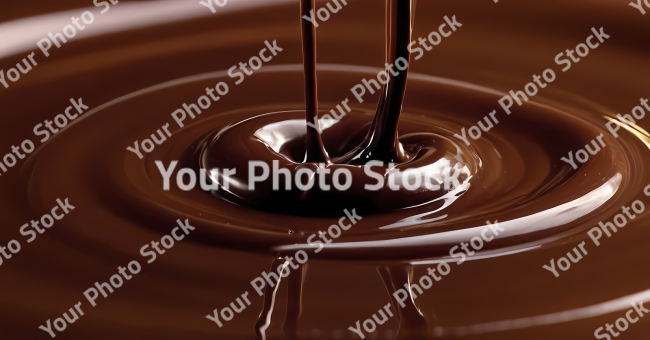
[(314, 149), (264, 320), (357, 139), (412, 325), (294, 302), (132, 78), (382, 141)]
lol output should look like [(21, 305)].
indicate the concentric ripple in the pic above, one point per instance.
[(541, 198)]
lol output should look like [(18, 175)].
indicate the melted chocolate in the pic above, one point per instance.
[(314, 149), (382, 141), (272, 138), (133, 80)]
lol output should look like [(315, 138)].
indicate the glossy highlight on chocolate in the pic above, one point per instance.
[(542, 237)]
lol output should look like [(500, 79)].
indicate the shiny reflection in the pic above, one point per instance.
[(274, 142), (277, 134), (547, 219), (488, 254), (21, 35), (622, 303), (634, 129)]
